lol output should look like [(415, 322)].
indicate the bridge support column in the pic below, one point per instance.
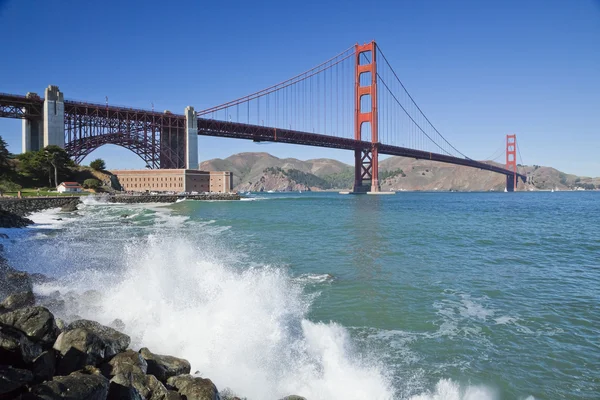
[(33, 134), (366, 164), (511, 183), (54, 117), (511, 162), (191, 138), (173, 142)]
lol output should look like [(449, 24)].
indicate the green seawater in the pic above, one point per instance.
[(415, 295)]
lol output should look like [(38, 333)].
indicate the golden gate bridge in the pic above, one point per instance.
[(353, 101)]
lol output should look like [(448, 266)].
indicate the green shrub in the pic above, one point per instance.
[(91, 184), (98, 164)]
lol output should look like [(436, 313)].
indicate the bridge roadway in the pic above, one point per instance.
[(15, 106)]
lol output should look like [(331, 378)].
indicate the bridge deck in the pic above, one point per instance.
[(15, 106)]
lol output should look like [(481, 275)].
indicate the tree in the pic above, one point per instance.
[(91, 184), (4, 157), (98, 164), (52, 160)]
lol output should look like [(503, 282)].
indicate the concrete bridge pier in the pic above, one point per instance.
[(191, 138), (511, 183), (33, 134), (54, 117)]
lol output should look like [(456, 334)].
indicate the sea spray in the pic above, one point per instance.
[(181, 288), (245, 328)]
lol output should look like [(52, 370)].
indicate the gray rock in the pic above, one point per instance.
[(70, 207), (18, 300), (74, 386), (194, 388), (44, 366), (134, 380), (293, 397), (127, 362), (60, 324), (16, 349), (117, 391), (158, 391), (13, 281), (37, 323), (136, 383), (11, 379), (164, 367), (88, 343), (116, 342)]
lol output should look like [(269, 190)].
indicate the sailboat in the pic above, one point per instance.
[(505, 190)]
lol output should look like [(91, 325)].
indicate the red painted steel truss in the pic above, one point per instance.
[(159, 139), (21, 107)]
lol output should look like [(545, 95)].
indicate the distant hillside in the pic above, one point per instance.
[(262, 171)]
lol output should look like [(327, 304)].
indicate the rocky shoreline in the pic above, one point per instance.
[(13, 212), (44, 357)]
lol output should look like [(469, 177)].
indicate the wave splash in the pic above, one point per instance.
[(246, 329)]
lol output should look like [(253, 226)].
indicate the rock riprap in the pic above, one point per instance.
[(44, 358)]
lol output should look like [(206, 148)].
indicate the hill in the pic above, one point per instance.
[(262, 171)]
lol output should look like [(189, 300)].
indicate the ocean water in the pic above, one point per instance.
[(413, 296)]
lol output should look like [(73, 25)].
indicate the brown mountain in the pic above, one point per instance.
[(262, 171)]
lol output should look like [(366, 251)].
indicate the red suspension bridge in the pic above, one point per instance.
[(353, 101)]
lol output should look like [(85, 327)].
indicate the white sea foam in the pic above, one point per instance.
[(245, 328), (447, 389)]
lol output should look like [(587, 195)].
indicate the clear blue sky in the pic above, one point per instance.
[(479, 69)]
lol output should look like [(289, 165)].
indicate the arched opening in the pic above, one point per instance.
[(115, 156)]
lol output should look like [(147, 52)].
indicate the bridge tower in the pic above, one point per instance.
[(49, 128), (366, 163), (511, 162)]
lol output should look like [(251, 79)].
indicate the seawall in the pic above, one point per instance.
[(170, 198), (28, 205)]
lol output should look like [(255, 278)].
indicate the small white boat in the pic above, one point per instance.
[(505, 190), (270, 191), (299, 191)]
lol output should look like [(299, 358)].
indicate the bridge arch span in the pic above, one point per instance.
[(148, 151)]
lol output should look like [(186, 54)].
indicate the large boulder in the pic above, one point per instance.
[(164, 367), (115, 341), (127, 362), (117, 391), (17, 300), (88, 343), (147, 386), (37, 323), (194, 388), (17, 349), (293, 397), (70, 206), (12, 379), (74, 386), (44, 366), (13, 281)]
